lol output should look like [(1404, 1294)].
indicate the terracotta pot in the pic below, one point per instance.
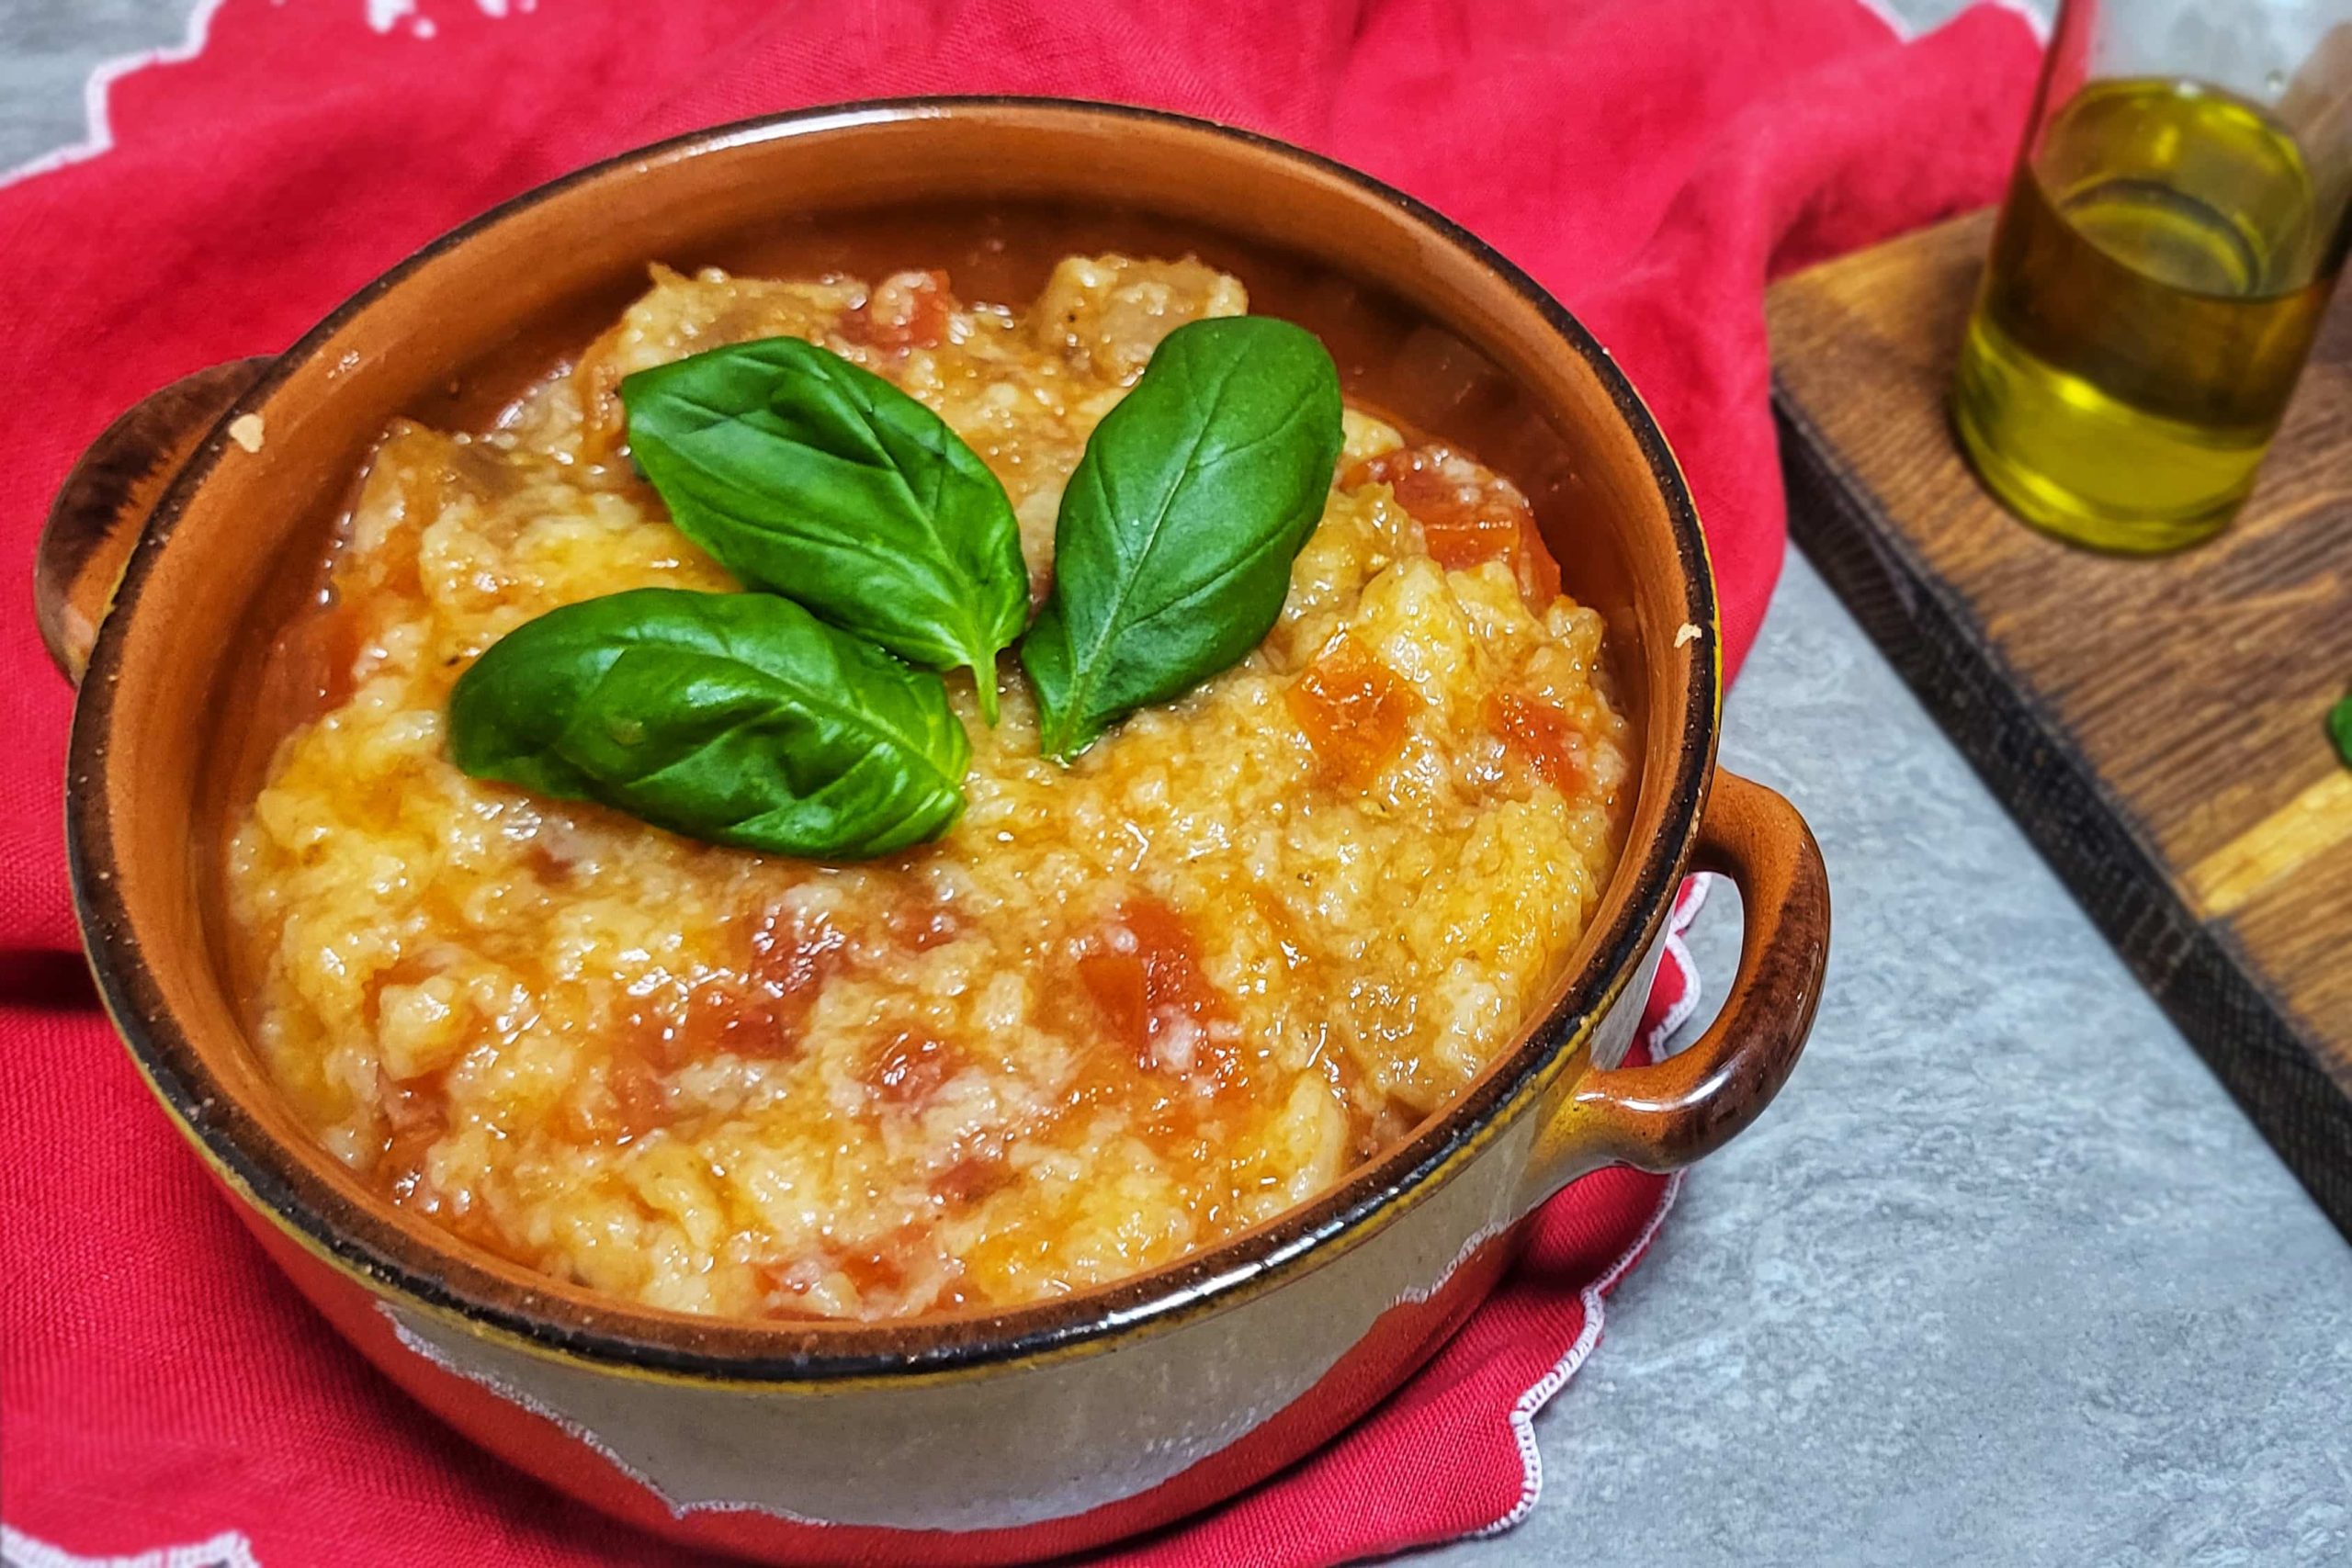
[(980, 1437)]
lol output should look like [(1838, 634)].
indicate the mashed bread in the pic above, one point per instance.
[(1122, 1009)]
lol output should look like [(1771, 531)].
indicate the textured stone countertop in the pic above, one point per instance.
[(2003, 1277)]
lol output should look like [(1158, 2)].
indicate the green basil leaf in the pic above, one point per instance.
[(1173, 551), (738, 718), (806, 476), (2339, 725)]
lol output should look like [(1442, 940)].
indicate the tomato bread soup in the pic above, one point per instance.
[(1125, 1006)]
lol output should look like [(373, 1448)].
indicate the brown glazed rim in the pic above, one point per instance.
[(447, 1278)]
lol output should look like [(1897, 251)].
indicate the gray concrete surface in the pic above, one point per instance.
[(2003, 1277)]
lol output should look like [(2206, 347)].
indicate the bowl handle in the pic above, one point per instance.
[(1663, 1115), (104, 504)]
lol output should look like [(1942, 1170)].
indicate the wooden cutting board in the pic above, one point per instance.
[(2157, 727)]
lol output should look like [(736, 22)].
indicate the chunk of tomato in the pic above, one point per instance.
[(1468, 515), (1354, 709), (906, 310)]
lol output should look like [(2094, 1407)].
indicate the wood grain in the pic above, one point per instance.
[(2157, 726)]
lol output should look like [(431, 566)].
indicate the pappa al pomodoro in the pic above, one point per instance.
[(1122, 1000)]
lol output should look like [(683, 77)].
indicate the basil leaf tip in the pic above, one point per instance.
[(737, 718), (2339, 725), (1173, 548), (807, 476)]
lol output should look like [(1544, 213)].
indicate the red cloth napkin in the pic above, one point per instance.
[(1653, 161)]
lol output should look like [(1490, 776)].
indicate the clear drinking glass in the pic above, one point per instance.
[(2172, 234)]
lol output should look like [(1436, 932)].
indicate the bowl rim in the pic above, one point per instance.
[(437, 1274)]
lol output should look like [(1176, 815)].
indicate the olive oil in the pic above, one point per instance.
[(2156, 281)]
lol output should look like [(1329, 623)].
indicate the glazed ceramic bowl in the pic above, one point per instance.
[(981, 1436)]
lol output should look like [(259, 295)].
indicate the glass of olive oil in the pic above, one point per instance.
[(2170, 239)]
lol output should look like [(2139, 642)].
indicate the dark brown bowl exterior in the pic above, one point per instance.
[(1134, 1404)]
